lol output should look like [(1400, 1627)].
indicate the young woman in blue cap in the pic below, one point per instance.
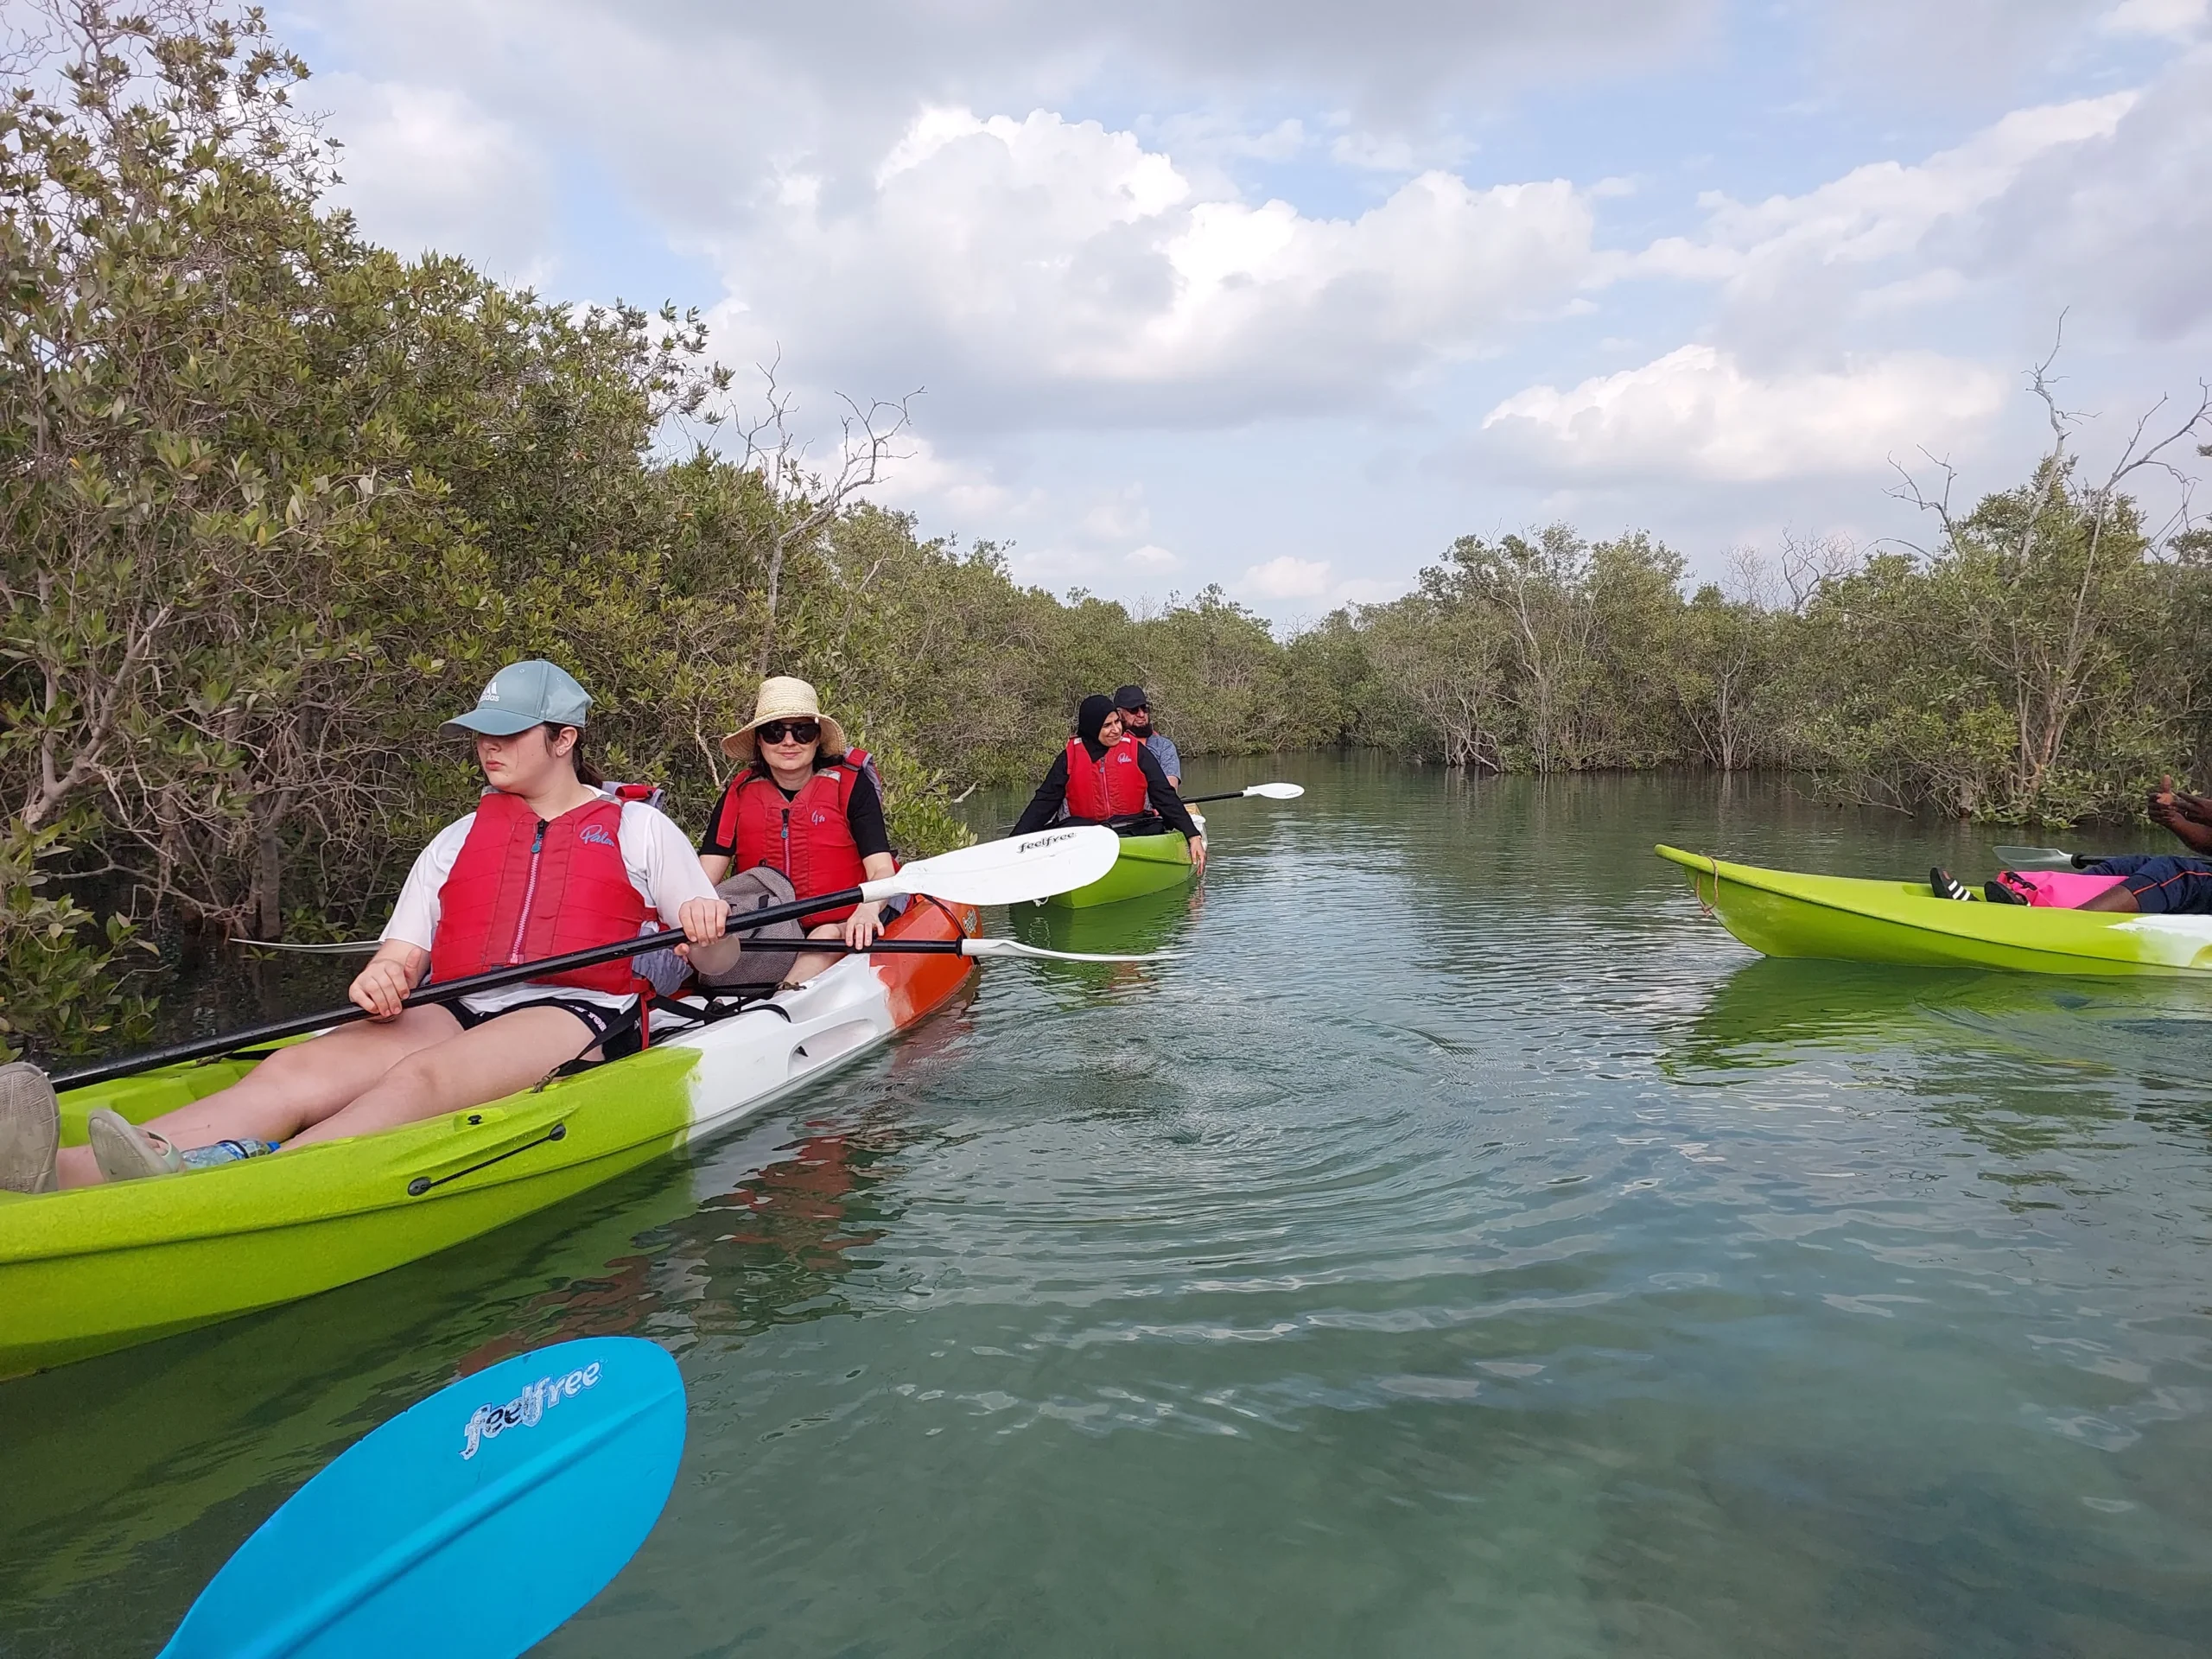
[(547, 863)]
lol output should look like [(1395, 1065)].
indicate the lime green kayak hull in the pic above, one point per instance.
[(100, 1268), (106, 1267), (1781, 913), (1147, 864)]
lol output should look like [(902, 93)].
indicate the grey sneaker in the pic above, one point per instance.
[(126, 1153), (30, 1128)]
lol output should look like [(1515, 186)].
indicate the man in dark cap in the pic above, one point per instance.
[(1136, 715)]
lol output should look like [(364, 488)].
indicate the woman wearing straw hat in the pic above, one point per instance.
[(803, 806)]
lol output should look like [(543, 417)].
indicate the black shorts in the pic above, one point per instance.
[(614, 1031)]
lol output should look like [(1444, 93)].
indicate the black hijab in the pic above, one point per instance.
[(1088, 719)]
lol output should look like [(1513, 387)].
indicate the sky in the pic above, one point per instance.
[(1285, 295)]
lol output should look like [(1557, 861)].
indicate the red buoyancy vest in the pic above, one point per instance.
[(523, 889), (1112, 786), (808, 837)]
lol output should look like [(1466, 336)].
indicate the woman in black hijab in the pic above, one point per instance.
[(1091, 781)]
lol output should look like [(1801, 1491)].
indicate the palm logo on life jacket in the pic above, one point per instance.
[(1112, 786), (524, 888), (808, 837)]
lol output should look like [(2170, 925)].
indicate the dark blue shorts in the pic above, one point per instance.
[(2163, 883)]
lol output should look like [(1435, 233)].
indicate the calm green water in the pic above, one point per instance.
[(1465, 1248)]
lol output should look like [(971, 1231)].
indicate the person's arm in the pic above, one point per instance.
[(403, 954), (381, 988), (1171, 758), (2193, 831), (670, 874), (1165, 802), (2197, 809), (867, 919), (1050, 796), (718, 847), (864, 818)]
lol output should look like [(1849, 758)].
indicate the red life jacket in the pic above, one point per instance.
[(808, 837), (1112, 786), (523, 889)]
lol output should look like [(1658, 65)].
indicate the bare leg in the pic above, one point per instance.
[(2115, 898), (814, 961), (496, 1058), (292, 1090)]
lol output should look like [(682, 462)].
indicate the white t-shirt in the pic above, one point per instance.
[(658, 855)]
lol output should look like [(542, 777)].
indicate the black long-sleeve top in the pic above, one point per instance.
[(1053, 794)]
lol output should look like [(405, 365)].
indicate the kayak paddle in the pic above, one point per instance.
[(1009, 871), (2041, 858), (956, 948), (893, 947), (342, 947), (473, 1524), (1265, 791)]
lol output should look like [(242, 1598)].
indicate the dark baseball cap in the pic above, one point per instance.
[(1131, 696)]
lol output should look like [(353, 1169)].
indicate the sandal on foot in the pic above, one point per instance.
[(1944, 885), (126, 1153), (30, 1128)]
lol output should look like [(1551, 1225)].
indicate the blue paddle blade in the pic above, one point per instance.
[(473, 1524)]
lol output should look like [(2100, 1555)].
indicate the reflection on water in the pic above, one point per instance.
[(1462, 1246), (1150, 922), (1767, 1011)]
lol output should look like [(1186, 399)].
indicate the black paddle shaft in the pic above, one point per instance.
[(272, 1031)]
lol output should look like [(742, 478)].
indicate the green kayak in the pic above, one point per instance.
[(1147, 864), (100, 1268), (1781, 913)]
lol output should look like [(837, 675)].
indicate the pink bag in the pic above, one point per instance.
[(2057, 889)]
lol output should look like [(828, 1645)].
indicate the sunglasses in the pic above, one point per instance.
[(799, 731)]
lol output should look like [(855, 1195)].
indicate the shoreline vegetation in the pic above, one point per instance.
[(274, 499)]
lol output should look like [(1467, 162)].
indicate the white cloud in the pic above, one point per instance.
[(1057, 271), (1289, 578), (1396, 152), (1883, 208), (1955, 55), (1388, 55), (2167, 19), (425, 168), (1121, 516), (1792, 269), (1695, 412), (1155, 559), (901, 196), (959, 493), (2121, 227)]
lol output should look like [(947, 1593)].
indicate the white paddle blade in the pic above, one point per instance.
[(1009, 871), (2035, 858), (1277, 791), (1016, 948)]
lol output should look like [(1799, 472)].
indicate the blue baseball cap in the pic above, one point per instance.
[(523, 695)]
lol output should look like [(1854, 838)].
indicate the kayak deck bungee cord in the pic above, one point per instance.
[(1784, 913)]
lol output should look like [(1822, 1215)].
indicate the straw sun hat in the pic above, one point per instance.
[(784, 698)]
